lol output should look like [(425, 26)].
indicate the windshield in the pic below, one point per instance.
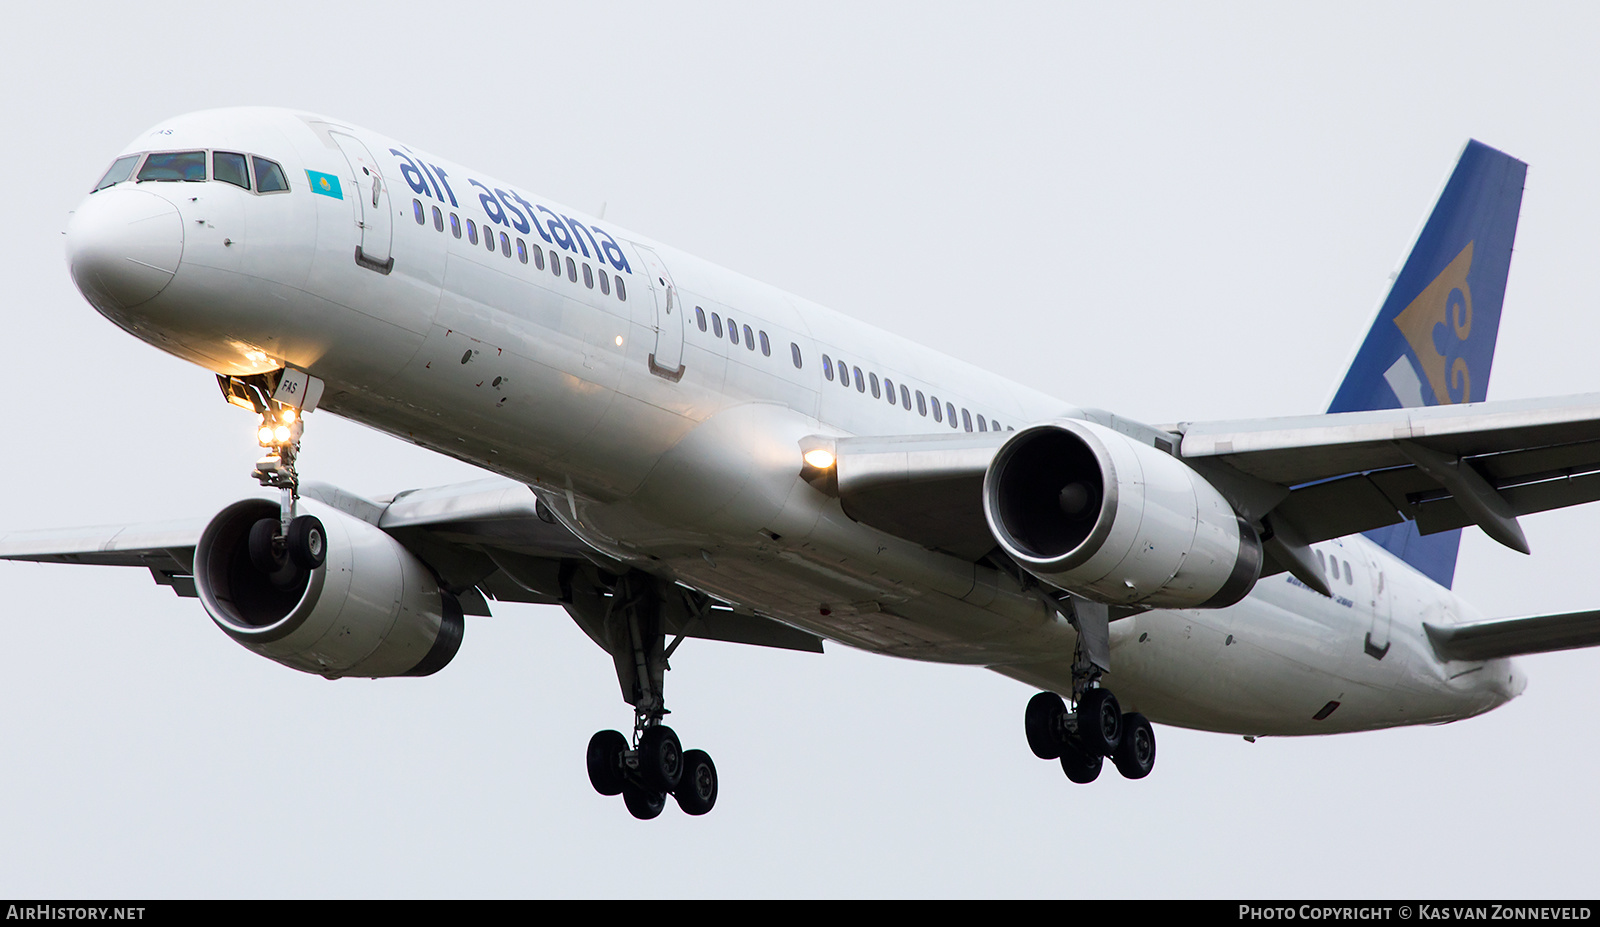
[(174, 165), (120, 171)]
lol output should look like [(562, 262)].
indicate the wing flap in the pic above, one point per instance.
[(1510, 637)]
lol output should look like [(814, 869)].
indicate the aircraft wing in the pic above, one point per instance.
[(487, 540), (1306, 478), (1511, 637), (1444, 467)]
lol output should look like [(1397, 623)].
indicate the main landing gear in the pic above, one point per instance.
[(1082, 739), (285, 546), (647, 772), (644, 770)]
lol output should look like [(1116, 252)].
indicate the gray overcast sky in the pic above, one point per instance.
[(1175, 212)]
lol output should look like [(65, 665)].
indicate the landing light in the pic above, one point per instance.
[(281, 434), (264, 436), (619, 341), (821, 458)]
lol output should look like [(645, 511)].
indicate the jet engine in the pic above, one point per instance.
[(1096, 513), (371, 609)]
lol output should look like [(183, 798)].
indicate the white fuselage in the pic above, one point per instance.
[(674, 447)]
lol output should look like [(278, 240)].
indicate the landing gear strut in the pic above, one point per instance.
[(625, 619), (1083, 738), (282, 546)]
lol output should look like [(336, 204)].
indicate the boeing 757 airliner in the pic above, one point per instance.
[(682, 452)]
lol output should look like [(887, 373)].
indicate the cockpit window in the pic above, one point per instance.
[(174, 165), (121, 169), (269, 176), (229, 168)]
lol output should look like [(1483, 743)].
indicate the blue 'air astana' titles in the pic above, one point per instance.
[(681, 452)]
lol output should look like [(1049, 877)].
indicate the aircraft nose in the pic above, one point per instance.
[(123, 246)]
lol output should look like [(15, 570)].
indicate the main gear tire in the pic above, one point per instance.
[(604, 760)]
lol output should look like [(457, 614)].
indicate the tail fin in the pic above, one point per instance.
[(1433, 340)]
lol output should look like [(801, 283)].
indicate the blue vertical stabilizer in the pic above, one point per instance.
[(1433, 340)]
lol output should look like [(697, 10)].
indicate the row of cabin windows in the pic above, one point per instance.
[(523, 252), (885, 389), (251, 172), (1331, 564), (750, 336)]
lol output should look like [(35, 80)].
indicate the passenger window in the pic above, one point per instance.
[(538, 257), (699, 315), (1349, 580), (555, 262), (472, 231), (950, 415), (938, 410), (794, 351), (1320, 561), (488, 238), (982, 426), (716, 324), (922, 405), (766, 346), (269, 176), (622, 291), (174, 165), (418, 212), (605, 284), (827, 363), (861, 384), (876, 393), (572, 270), (522, 251), (844, 374), (455, 225), (588, 277), (505, 245), (120, 170), (733, 331), (438, 219), (749, 339), (230, 168), (966, 419)]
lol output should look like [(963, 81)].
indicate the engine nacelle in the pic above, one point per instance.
[(1092, 511), (371, 609)]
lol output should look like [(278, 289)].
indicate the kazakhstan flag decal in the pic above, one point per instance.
[(325, 184)]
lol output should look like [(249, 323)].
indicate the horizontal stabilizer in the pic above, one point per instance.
[(1510, 637)]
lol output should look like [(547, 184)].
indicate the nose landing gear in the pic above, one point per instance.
[(281, 546)]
